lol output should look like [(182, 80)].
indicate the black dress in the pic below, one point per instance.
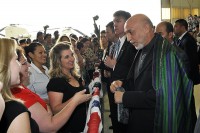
[(77, 121), (12, 110)]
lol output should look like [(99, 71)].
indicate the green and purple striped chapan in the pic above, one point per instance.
[(173, 90)]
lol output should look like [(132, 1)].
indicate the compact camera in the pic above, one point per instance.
[(96, 17)]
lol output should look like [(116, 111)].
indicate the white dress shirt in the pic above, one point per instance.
[(122, 40)]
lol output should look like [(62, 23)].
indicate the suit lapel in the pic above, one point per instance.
[(121, 51), (131, 71), (146, 62), (182, 39)]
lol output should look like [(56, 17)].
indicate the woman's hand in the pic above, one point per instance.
[(81, 97)]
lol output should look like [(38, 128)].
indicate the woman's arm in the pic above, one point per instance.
[(21, 124), (52, 123), (55, 101)]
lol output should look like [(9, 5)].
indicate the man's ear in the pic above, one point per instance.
[(170, 34), (147, 28)]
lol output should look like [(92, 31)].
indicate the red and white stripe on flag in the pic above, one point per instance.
[(94, 121)]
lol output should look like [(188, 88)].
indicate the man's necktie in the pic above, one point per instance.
[(139, 63), (178, 42), (141, 60), (112, 51), (117, 45)]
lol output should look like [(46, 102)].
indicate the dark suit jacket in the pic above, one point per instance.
[(140, 97), (124, 61), (103, 67), (189, 45)]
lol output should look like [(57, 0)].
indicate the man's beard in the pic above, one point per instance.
[(139, 46)]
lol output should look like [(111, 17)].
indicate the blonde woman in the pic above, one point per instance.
[(43, 115), (63, 85), (16, 117)]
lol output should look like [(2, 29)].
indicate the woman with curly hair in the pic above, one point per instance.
[(63, 85)]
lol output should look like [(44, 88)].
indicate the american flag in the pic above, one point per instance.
[(94, 120)]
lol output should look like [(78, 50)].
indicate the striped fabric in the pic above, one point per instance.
[(94, 115), (173, 91)]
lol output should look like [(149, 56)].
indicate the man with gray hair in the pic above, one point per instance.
[(158, 90)]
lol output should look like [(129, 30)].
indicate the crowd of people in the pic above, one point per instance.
[(44, 82)]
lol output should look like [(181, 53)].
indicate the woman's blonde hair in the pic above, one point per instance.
[(7, 51), (55, 61)]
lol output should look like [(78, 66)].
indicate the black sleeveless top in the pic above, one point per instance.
[(77, 121), (12, 110)]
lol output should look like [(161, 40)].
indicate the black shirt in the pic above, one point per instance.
[(12, 110), (77, 121)]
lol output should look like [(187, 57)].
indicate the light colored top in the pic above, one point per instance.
[(38, 81)]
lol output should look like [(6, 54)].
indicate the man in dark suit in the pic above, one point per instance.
[(187, 43), (120, 63), (123, 56), (157, 94), (112, 38)]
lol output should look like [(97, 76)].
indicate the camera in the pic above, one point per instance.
[(96, 17), (46, 26)]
